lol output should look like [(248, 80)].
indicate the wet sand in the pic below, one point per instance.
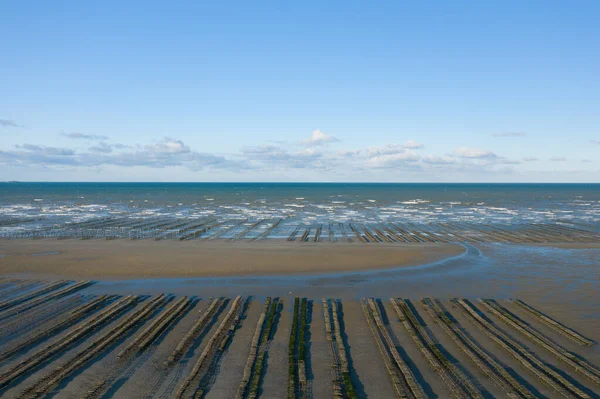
[(560, 282), (129, 259), (570, 245), (563, 282)]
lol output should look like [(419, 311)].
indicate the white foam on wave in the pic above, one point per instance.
[(90, 207), (494, 208), (150, 212), (414, 202), (326, 210)]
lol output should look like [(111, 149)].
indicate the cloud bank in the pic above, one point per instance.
[(312, 157)]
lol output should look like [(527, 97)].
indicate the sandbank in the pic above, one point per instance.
[(131, 259)]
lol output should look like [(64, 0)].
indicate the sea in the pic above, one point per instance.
[(305, 203)]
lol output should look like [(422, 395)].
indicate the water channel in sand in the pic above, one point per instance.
[(498, 270)]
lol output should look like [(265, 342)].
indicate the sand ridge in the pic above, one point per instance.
[(131, 259)]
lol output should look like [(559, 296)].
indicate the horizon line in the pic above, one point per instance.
[(283, 182)]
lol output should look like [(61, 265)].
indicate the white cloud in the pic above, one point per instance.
[(8, 123), (319, 138), (270, 157), (412, 145), (101, 147), (393, 160), (437, 160), (156, 157), (473, 153), (506, 161), (265, 152), (31, 154), (168, 152), (386, 149), (308, 152), (285, 159), (394, 148), (510, 134), (168, 146), (348, 153), (40, 149), (82, 136), (595, 142)]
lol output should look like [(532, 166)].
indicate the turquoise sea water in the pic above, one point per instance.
[(304, 202)]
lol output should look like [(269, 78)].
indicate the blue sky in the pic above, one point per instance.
[(318, 91)]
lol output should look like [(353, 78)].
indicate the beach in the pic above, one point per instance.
[(138, 259), (183, 296), (164, 289)]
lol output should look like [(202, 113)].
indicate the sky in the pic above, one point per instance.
[(398, 91)]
